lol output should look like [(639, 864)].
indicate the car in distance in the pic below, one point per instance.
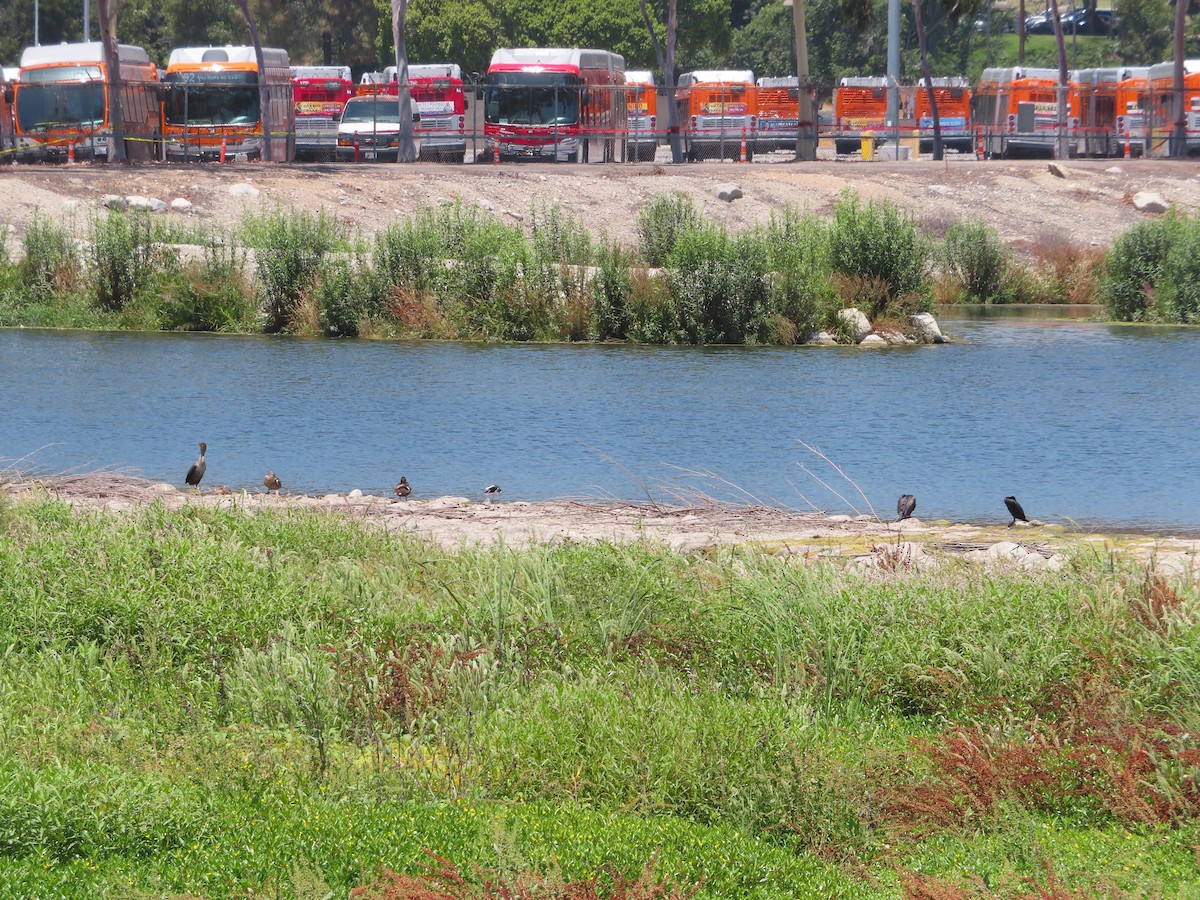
[(370, 129)]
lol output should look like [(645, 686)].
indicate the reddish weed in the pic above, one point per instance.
[(444, 881)]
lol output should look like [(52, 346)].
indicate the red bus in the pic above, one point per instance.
[(319, 93), (555, 104), (437, 91)]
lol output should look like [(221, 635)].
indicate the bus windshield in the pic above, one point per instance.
[(212, 98), (45, 105), (532, 98)]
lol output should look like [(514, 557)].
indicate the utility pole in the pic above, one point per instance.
[(893, 65)]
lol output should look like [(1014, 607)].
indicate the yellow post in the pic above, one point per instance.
[(868, 145)]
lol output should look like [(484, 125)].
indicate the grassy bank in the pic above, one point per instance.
[(223, 704), (456, 272)]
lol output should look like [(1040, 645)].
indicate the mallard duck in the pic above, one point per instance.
[(403, 489), (271, 481)]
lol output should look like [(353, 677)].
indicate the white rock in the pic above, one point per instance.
[(133, 201), (894, 337), (355, 494), (1149, 202), (873, 340), (941, 189), (728, 192), (1114, 170), (857, 323), (113, 201), (823, 338), (485, 203), (333, 498), (158, 206), (928, 326), (243, 190), (182, 205), (163, 488)]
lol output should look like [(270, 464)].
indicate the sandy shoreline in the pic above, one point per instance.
[(863, 541)]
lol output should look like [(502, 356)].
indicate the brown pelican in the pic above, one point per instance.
[(905, 506), (196, 472), (271, 481), (403, 489), (1014, 509)]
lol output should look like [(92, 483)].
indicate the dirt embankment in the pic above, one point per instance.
[(1031, 202)]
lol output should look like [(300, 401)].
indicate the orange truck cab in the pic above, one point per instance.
[(778, 114), (1016, 111), (718, 112), (1160, 124), (953, 98), (642, 114)]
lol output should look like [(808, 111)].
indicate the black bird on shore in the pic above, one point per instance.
[(905, 506), (403, 489), (491, 490), (271, 481), (196, 472), (1014, 510)]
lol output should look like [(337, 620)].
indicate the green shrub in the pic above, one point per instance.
[(558, 236), (801, 291), (345, 295), (612, 287), (1179, 298), (719, 286), (977, 259), (126, 257), (661, 222), (1134, 268), (290, 247), (213, 293), (50, 262), (878, 243), (412, 255)]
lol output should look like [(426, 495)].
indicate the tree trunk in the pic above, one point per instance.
[(264, 92), (1062, 147), (108, 10), (1179, 136), (937, 124), (666, 62), (406, 150), (806, 146), (1021, 35)]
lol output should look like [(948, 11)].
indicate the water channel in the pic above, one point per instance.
[(1090, 422)]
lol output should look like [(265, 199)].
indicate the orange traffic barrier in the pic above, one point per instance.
[(1127, 152), (222, 148), (70, 152), (743, 159)]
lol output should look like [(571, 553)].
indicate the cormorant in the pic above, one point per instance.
[(1014, 510), (196, 472), (271, 481), (403, 489), (905, 506)]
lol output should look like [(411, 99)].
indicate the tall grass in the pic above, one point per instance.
[(217, 703)]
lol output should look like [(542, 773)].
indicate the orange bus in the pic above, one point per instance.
[(213, 112), (718, 110), (859, 106), (1105, 96), (1130, 121), (1160, 109), (778, 114), (319, 93), (8, 136), (642, 115), (1017, 110), (61, 103), (953, 98)]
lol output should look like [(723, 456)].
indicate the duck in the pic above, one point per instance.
[(403, 488), (271, 481)]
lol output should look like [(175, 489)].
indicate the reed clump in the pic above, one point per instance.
[(217, 703)]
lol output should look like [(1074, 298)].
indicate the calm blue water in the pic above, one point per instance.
[(1094, 422)]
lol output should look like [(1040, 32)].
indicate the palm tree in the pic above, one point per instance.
[(928, 75), (1062, 149)]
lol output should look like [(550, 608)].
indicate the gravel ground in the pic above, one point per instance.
[(1087, 203)]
